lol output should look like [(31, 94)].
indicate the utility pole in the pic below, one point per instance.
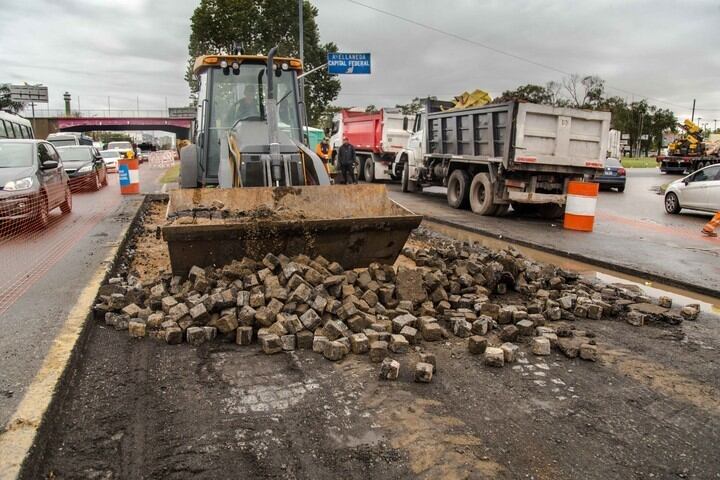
[(715, 127), (108, 106), (692, 119)]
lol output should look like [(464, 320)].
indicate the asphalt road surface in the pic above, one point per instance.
[(44, 272), (631, 229)]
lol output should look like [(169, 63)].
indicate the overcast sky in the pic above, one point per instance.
[(663, 49)]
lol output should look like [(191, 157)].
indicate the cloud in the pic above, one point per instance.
[(127, 49)]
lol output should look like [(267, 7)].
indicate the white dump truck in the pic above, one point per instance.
[(498, 155)]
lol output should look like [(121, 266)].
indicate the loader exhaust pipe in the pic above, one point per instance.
[(272, 121)]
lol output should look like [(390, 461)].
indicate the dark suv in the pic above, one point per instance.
[(32, 181), (85, 167)]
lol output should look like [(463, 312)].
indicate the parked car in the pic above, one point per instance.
[(85, 167), (111, 159), (613, 175), (32, 181), (698, 191)]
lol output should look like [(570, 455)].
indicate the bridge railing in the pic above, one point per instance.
[(60, 113)]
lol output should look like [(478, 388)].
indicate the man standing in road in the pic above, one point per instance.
[(712, 225), (346, 158)]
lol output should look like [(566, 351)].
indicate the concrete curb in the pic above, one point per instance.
[(23, 440), (691, 287)]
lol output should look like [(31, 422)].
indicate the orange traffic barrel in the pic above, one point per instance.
[(129, 175), (580, 206)]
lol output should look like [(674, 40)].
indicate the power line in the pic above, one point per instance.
[(509, 54)]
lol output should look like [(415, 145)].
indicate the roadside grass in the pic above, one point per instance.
[(171, 174), (638, 162)]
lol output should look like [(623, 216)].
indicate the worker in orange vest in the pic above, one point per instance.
[(714, 223), (324, 151)]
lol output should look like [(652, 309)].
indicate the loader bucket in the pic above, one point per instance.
[(354, 225)]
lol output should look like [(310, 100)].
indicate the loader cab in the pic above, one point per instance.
[(233, 92)]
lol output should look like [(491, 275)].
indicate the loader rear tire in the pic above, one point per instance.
[(458, 189), (481, 195)]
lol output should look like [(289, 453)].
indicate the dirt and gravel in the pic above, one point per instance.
[(139, 408)]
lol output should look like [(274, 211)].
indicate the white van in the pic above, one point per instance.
[(15, 126)]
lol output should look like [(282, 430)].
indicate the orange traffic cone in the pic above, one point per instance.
[(714, 223)]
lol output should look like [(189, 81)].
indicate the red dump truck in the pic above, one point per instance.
[(377, 138)]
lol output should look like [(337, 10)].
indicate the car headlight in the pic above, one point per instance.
[(85, 168), (22, 184)]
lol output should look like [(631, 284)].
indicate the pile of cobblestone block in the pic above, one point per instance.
[(497, 301)]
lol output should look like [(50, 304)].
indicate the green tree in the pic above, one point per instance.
[(584, 92), (662, 120), (6, 103), (527, 93), (415, 105), (258, 25)]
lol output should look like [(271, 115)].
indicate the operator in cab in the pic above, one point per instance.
[(346, 159), (248, 106), (324, 151)]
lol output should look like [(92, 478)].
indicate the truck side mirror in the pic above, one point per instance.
[(201, 140), (405, 123)]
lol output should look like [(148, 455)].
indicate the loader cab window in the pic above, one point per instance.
[(241, 97)]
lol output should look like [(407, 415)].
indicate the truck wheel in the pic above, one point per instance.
[(369, 170), (481, 195), (406, 184), (458, 189), (360, 169), (501, 209), (524, 208)]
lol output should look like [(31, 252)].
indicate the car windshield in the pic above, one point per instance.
[(123, 145), (63, 142), (14, 155), (74, 154), (107, 154), (612, 162)]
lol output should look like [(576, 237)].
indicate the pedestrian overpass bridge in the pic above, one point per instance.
[(45, 126)]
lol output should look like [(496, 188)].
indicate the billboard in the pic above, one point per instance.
[(348, 63), (28, 93)]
